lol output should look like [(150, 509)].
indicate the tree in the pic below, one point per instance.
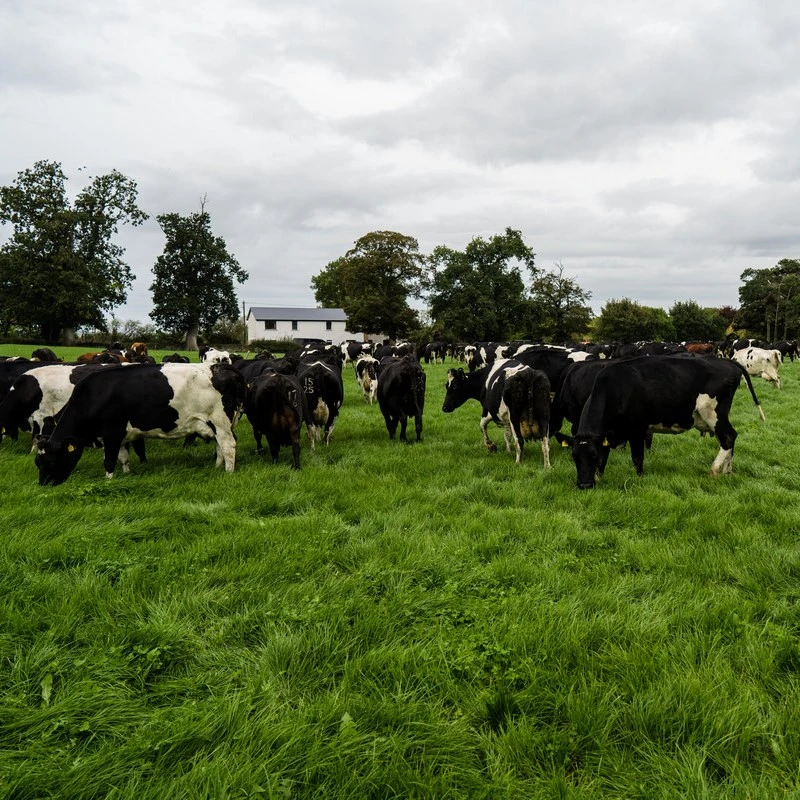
[(692, 323), (770, 299), (479, 294), (194, 277), (627, 321), (63, 249), (372, 283), (559, 306)]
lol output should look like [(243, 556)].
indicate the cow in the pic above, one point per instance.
[(44, 354), (102, 357), (787, 348), (367, 377), (401, 394), (274, 405), (11, 370), (352, 351), (175, 358), (511, 394), (670, 394), (435, 352), (701, 348), (210, 355), (123, 404), (760, 362), (551, 360), (137, 349), (321, 383), (251, 368)]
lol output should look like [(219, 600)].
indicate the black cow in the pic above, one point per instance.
[(669, 394), (550, 360), (250, 368), (321, 382), (44, 354), (401, 394), (511, 394), (175, 358), (274, 405), (786, 348), (435, 352), (11, 370), (122, 404)]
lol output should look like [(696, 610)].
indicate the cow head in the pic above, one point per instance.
[(586, 455), (457, 392), (56, 460)]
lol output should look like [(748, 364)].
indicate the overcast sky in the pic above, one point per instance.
[(652, 148)]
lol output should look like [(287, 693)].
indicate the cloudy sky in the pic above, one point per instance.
[(651, 148)]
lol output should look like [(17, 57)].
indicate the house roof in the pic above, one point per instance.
[(308, 314)]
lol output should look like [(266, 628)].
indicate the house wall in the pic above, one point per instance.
[(306, 329)]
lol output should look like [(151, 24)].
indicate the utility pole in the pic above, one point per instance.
[(244, 327)]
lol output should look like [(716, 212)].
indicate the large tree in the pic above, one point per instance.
[(627, 321), (372, 283), (479, 294), (770, 300), (693, 323), (560, 309), (194, 277), (60, 268)]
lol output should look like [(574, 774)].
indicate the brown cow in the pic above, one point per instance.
[(701, 348), (138, 349)]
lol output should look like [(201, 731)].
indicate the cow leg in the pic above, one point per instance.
[(257, 437), (391, 424), (546, 451), (123, 457), (726, 435), (226, 447), (403, 426), (112, 450), (603, 458), (418, 426), (329, 432), (312, 435), (490, 445), (637, 452), (137, 446), (274, 449)]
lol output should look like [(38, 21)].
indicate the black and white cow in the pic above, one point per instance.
[(38, 395), (210, 355), (274, 405), (11, 370), (122, 404), (401, 394), (550, 360), (669, 394), (44, 354), (513, 395), (760, 362), (321, 383), (367, 377)]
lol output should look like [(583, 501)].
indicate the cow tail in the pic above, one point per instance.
[(750, 387)]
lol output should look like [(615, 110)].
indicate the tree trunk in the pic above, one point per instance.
[(191, 336), (68, 336)]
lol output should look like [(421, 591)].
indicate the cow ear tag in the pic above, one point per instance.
[(565, 444), (70, 448), (605, 442)]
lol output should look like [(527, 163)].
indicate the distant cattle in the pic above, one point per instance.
[(102, 357), (701, 348), (321, 383), (401, 394), (137, 349), (275, 407), (670, 394), (787, 348), (367, 377), (513, 395), (352, 351), (435, 352), (175, 358), (760, 363), (210, 355), (44, 354), (123, 404)]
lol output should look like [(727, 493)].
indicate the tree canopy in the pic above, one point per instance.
[(479, 294), (372, 282), (692, 323), (560, 309), (627, 321), (194, 277), (63, 249), (770, 300)]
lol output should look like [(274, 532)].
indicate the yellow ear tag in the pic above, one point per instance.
[(605, 442), (564, 444), (70, 448)]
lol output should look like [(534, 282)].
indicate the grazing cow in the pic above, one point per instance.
[(701, 348), (435, 352), (175, 358), (670, 394), (760, 363), (787, 348), (551, 360), (123, 404), (274, 405), (11, 370), (511, 394), (321, 382), (44, 354), (367, 377), (37, 396), (103, 357), (401, 394), (251, 368)]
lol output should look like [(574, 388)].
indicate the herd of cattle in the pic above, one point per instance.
[(610, 396)]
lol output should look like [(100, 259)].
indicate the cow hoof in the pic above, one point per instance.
[(492, 448)]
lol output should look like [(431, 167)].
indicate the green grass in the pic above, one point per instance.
[(426, 621)]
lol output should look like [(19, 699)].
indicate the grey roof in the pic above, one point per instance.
[(313, 314)]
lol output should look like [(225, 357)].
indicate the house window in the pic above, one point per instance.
[(270, 325), (294, 324), (328, 326)]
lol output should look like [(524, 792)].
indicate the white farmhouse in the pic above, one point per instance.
[(274, 322)]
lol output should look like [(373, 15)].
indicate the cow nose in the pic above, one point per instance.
[(589, 485)]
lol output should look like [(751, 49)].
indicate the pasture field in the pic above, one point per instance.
[(409, 621)]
